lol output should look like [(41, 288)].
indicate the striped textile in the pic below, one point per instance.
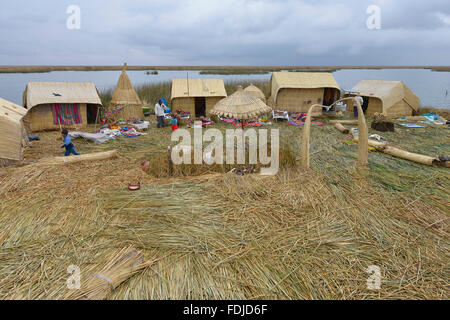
[(66, 113)]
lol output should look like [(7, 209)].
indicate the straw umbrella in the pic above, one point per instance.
[(241, 106)]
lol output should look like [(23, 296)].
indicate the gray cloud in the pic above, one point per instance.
[(252, 32)]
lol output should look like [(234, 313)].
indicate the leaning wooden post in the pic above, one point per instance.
[(304, 155)]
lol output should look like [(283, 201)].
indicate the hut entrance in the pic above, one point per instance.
[(329, 96), (91, 111), (200, 107), (365, 104)]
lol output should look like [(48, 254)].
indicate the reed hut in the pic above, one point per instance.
[(13, 136), (392, 98), (52, 105), (255, 92), (197, 96), (126, 99), (297, 91)]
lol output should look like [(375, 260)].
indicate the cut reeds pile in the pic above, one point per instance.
[(121, 266)]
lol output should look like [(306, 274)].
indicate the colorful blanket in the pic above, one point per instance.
[(66, 114)]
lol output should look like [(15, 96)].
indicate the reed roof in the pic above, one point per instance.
[(301, 80), (37, 93), (389, 92), (183, 88), (11, 130)]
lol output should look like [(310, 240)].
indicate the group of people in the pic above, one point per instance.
[(160, 108)]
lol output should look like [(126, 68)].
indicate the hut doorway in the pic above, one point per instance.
[(329, 96), (365, 104), (91, 111), (200, 107)]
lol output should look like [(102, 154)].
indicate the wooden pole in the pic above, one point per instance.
[(169, 158), (96, 118), (187, 82)]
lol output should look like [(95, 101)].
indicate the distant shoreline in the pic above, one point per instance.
[(210, 69)]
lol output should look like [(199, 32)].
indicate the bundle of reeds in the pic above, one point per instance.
[(122, 265), (84, 157)]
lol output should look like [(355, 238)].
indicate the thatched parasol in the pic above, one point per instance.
[(255, 92), (241, 106)]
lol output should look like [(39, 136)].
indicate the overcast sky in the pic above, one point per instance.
[(225, 32)]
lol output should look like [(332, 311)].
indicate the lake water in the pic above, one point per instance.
[(433, 88)]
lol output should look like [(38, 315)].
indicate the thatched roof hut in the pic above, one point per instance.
[(297, 91), (12, 133), (126, 98), (255, 92), (392, 98), (197, 96), (55, 104)]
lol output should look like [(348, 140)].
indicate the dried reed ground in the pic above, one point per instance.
[(298, 235)]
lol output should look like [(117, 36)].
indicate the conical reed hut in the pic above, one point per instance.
[(125, 98), (255, 92)]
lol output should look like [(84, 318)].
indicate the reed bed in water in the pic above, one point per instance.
[(299, 235)]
